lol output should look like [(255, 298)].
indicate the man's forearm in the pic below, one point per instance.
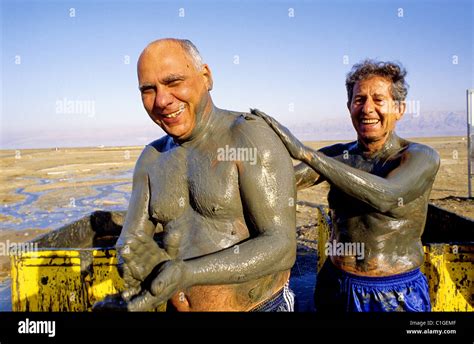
[(243, 262), (374, 190), (305, 176)]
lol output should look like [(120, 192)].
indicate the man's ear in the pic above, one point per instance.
[(400, 107), (207, 75)]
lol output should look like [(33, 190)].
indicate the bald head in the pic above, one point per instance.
[(175, 85), (186, 45)]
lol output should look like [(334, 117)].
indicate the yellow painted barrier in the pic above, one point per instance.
[(450, 272), (448, 266), (64, 280)]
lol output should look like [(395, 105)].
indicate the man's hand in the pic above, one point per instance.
[(171, 278), (139, 254), (296, 149)]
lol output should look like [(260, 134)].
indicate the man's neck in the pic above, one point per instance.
[(204, 122), (375, 148)]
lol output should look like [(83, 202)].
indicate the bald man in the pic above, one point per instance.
[(220, 186)]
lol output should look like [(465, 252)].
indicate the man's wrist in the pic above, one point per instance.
[(186, 274)]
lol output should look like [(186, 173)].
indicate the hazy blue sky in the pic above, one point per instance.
[(278, 56)]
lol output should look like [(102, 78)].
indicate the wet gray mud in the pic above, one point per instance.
[(5, 295), (27, 214)]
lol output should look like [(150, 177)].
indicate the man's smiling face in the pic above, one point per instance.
[(373, 110), (173, 90)]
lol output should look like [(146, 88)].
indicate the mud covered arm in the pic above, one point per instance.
[(138, 252), (306, 176), (138, 219), (405, 183), (402, 185)]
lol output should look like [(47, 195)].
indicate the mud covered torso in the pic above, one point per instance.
[(391, 241), (195, 195)]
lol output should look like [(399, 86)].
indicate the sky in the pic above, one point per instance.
[(68, 74)]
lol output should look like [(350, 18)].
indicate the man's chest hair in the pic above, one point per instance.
[(179, 181)]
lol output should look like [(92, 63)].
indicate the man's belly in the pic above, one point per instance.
[(376, 245), (375, 266), (231, 297), (194, 235)]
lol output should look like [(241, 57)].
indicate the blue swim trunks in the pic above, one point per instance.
[(283, 301), (339, 291)]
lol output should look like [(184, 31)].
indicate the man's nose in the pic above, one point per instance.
[(163, 99), (368, 106)]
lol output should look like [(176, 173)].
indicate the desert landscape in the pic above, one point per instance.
[(43, 189)]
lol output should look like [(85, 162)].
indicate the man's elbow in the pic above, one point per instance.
[(389, 200), (384, 207), (289, 260), (389, 204), (287, 256), (303, 184)]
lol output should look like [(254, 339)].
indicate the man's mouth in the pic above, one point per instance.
[(369, 121), (174, 114)]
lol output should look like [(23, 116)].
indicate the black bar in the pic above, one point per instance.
[(377, 326)]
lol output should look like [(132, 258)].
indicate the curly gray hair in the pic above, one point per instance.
[(389, 70)]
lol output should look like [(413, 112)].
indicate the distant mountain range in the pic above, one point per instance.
[(434, 123)]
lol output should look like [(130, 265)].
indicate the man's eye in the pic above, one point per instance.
[(174, 83), (147, 91)]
